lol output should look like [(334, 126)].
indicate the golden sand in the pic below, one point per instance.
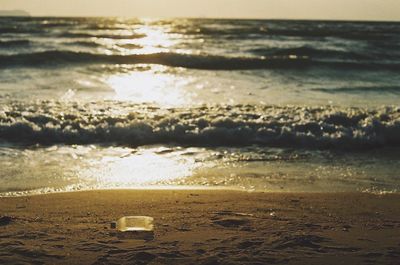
[(202, 227)]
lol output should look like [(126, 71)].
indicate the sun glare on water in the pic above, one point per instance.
[(156, 39), (146, 167), (150, 86), (145, 83)]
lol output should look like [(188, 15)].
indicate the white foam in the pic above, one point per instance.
[(111, 122)]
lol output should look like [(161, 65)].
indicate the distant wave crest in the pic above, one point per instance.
[(103, 36), (311, 52), (207, 62)]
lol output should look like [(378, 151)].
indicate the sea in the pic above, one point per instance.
[(253, 105)]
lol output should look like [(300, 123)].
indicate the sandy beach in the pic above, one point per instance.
[(202, 227), (248, 133)]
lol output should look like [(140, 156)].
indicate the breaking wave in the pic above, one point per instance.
[(109, 122), (207, 62)]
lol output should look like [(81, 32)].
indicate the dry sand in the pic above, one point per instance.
[(202, 227)]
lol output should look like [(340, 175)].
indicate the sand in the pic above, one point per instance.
[(202, 227)]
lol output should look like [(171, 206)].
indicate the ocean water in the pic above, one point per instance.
[(271, 105)]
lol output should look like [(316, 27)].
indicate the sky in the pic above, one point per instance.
[(290, 9)]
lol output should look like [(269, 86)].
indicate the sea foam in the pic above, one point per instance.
[(110, 122)]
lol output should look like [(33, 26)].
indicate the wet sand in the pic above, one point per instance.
[(202, 227)]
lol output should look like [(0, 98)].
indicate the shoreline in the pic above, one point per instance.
[(31, 193), (202, 227)]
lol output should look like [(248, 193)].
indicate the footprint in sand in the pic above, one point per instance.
[(230, 219), (5, 220)]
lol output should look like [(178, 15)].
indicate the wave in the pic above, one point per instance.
[(311, 52), (109, 122), (14, 43), (109, 26), (168, 59), (18, 30), (130, 46), (206, 62), (50, 24), (90, 44), (102, 36), (317, 30), (360, 89), (342, 34)]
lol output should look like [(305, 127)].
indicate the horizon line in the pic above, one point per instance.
[(205, 17)]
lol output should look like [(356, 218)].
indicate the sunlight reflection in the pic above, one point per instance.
[(152, 86), (156, 39), (143, 168)]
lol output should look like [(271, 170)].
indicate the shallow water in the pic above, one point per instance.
[(248, 104)]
